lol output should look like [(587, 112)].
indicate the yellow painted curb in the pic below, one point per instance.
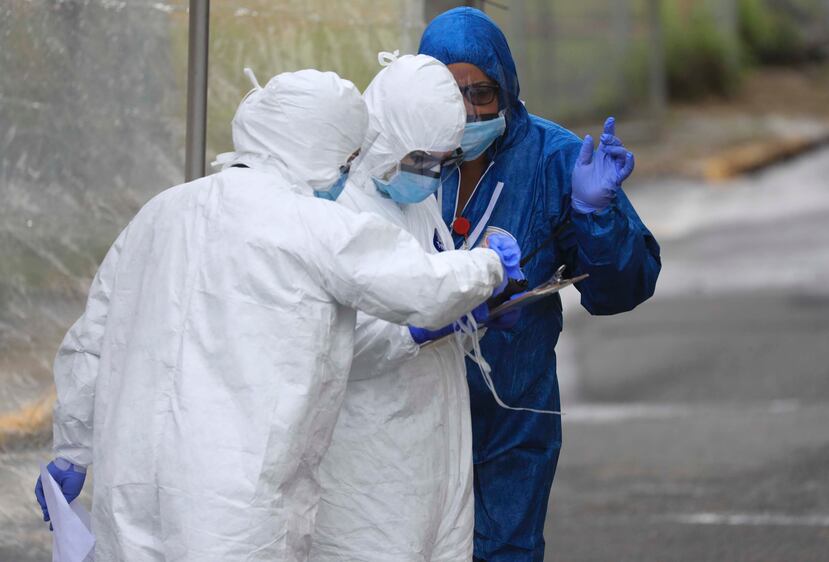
[(750, 157), (29, 422)]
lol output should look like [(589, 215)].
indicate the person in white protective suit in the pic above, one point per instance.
[(205, 376), (397, 478)]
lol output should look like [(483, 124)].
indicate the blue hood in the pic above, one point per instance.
[(469, 35)]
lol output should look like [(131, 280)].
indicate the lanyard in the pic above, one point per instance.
[(472, 239), (479, 228)]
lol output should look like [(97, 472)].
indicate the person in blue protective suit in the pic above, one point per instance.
[(563, 203)]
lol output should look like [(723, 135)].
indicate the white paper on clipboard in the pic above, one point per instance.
[(72, 538), (541, 292)]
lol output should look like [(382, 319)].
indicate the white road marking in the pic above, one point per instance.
[(600, 413), (751, 519)]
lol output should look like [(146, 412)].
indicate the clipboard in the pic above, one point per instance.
[(550, 288), (543, 291)]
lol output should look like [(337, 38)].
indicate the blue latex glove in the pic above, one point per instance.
[(507, 249), (597, 177), (421, 335), (69, 477)]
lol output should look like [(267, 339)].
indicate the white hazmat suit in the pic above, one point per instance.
[(397, 478), (206, 374)]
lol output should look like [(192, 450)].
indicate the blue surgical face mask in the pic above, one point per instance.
[(479, 135), (407, 187), (336, 188)]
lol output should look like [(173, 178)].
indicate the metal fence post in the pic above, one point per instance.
[(622, 30), (197, 49), (657, 75), (412, 25), (725, 14)]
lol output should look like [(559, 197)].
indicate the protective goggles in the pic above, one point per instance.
[(481, 93), (423, 163), (345, 168)]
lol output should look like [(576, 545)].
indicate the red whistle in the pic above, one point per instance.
[(461, 226)]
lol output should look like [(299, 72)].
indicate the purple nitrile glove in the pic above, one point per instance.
[(598, 176), (421, 335), (70, 479), (507, 249), (506, 321)]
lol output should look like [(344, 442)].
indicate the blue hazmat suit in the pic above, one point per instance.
[(516, 452)]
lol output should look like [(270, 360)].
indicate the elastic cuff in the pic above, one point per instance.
[(65, 464), (584, 209), (410, 346)]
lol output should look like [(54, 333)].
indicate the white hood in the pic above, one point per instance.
[(305, 124), (414, 104)]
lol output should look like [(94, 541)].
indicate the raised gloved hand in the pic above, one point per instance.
[(69, 477), (421, 335), (597, 177), (507, 249)]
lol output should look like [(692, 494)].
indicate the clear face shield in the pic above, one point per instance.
[(427, 163), (480, 98), (485, 119), (417, 175)]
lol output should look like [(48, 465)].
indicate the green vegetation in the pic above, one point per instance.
[(700, 58), (273, 37), (704, 58), (771, 34)]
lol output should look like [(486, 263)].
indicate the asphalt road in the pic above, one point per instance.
[(697, 426)]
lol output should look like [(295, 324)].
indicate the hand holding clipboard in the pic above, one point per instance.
[(549, 288)]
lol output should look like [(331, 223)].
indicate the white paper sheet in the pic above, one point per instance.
[(72, 538)]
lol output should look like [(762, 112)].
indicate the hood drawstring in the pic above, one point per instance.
[(385, 58), (252, 77)]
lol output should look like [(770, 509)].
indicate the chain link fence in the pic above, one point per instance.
[(92, 115)]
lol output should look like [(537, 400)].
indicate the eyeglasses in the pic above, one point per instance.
[(481, 93), (425, 164)]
